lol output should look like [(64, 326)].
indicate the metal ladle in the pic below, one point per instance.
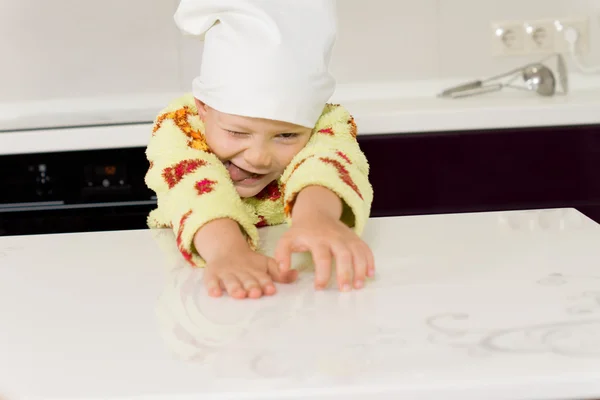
[(537, 77)]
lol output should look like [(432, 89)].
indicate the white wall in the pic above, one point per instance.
[(421, 39), (82, 48), (75, 48)]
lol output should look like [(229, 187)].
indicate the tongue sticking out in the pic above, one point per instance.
[(237, 174)]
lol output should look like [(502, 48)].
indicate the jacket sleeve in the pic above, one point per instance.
[(333, 159), (192, 185)]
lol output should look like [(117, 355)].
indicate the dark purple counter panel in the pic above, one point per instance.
[(485, 170)]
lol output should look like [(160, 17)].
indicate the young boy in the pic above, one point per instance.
[(256, 145)]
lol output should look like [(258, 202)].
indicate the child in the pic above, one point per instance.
[(256, 145)]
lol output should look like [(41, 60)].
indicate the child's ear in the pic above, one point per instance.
[(202, 109)]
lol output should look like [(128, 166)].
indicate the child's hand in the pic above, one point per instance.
[(244, 273), (231, 264), (328, 238)]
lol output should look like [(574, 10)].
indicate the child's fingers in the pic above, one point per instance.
[(233, 286), (283, 253), (359, 259), (266, 283), (344, 266), (250, 284), (212, 284), (321, 256), (277, 275), (370, 261)]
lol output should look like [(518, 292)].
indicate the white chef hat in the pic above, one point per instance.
[(263, 58)]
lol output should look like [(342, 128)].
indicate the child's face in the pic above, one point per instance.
[(254, 151)]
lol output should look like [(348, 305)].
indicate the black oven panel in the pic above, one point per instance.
[(74, 191)]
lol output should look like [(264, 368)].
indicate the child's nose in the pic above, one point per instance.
[(259, 158)]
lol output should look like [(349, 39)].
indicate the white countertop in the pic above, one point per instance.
[(379, 108), (502, 305)]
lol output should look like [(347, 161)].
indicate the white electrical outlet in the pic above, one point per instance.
[(508, 38), (581, 25), (539, 37)]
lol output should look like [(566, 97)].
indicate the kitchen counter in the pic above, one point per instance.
[(464, 306), (379, 108)]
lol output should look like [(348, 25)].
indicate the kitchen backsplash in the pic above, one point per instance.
[(83, 48), (423, 39)]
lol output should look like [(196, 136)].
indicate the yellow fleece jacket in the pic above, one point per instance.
[(193, 186)]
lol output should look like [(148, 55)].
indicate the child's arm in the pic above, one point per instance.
[(327, 192), (332, 159), (192, 185)]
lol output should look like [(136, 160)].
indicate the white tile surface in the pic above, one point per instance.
[(70, 49), (191, 58), (464, 32), (495, 306), (83, 48), (382, 40)]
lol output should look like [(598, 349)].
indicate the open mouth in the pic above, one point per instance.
[(238, 174)]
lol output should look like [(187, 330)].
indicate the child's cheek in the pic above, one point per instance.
[(220, 144), (291, 151)]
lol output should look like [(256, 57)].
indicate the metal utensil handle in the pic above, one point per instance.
[(476, 91), (460, 88)]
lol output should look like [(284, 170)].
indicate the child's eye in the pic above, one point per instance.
[(288, 135), (234, 133)]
